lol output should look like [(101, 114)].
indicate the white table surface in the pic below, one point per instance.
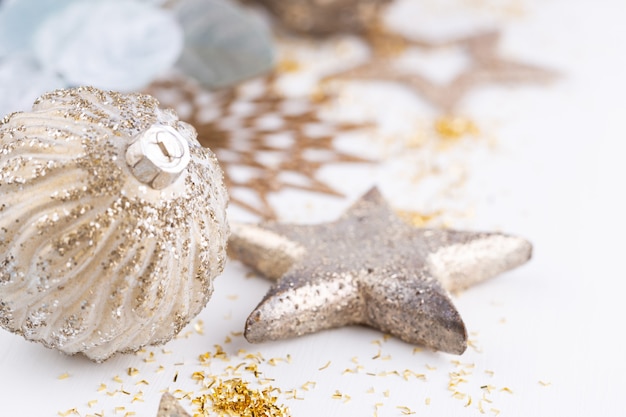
[(550, 331)]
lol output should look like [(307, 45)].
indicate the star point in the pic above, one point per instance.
[(370, 268), (169, 407), (486, 66)]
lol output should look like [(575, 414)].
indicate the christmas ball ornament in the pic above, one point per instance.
[(112, 222)]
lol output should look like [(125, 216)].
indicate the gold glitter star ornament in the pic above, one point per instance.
[(112, 222), (369, 267)]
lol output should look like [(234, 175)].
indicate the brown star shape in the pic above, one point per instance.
[(370, 268), (277, 142), (486, 66)]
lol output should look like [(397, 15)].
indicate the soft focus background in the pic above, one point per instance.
[(539, 159)]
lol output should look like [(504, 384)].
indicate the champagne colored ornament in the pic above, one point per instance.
[(112, 222)]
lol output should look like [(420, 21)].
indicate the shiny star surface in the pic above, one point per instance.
[(169, 407), (486, 66), (369, 267)]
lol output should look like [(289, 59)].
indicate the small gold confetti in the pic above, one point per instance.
[(308, 384), (132, 371), (455, 127), (427, 401), (235, 397), (325, 366), (64, 375), (91, 403), (199, 327), (288, 65), (488, 388), (338, 395), (545, 383), (69, 412), (117, 379), (405, 410)]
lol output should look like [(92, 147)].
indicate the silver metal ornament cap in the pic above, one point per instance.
[(158, 156)]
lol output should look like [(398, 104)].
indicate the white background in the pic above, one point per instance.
[(549, 331)]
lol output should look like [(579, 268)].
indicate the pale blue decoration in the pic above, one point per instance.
[(19, 19), (110, 44), (22, 81), (223, 43)]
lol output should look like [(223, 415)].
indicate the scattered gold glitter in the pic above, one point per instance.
[(309, 384), (199, 327), (417, 219), (455, 127), (288, 65), (545, 383), (325, 366), (338, 395), (405, 410), (64, 375), (235, 397)]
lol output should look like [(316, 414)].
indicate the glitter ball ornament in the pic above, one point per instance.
[(112, 222)]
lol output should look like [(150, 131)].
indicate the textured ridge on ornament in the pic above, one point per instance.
[(112, 222)]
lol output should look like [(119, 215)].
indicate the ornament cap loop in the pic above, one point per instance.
[(158, 156)]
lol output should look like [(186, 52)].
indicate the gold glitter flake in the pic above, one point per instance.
[(455, 127), (236, 397)]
